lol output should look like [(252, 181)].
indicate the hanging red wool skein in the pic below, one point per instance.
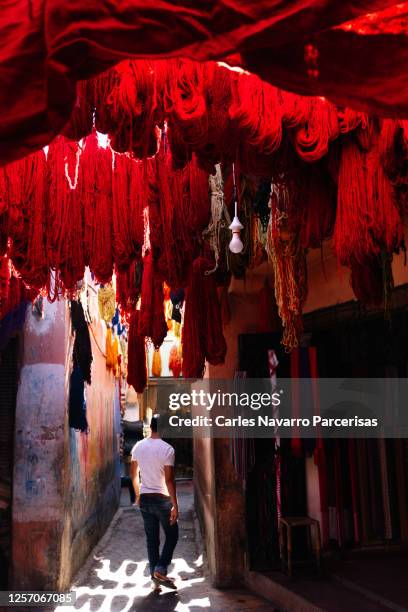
[(134, 109), (319, 206), (97, 203), (312, 139), (152, 322), (137, 370), (367, 219), (128, 287), (27, 182), (123, 249), (203, 338), (65, 227)]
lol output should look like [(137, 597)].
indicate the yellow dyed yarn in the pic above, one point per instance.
[(106, 303), (156, 364)]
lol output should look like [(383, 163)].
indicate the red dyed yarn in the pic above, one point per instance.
[(177, 248), (367, 219), (96, 187), (19, 186), (26, 184), (146, 307), (36, 273), (394, 157), (185, 99), (138, 201), (152, 322), (179, 210), (81, 120), (350, 120), (123, 249), (203, 337), (134, 108), (4, 284), (128, 286), (220, 143), (294, 108), (311, 140), (130, 198), (319, 202), (137, 370), (65, 227), (255, 113)]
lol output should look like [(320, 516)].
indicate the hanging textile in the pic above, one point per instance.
[(130, 197), (82, 343), (97, 207), (128, 287), (65, 224), (217, 232), (27, 197), (311, 140), (177, 300), (109, 349), (288, 258), (137, 371), (175, 360), (133, 108), (152, 322), (156, 364), (203, 337), (77, 402), (319, 206), (106, 302), (368, 223)]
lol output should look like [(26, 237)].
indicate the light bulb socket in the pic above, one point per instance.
[(236, 225)]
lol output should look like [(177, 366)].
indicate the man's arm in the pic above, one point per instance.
[(134, 474), (171, 487)]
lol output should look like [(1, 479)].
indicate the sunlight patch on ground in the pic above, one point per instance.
[(128, 583)]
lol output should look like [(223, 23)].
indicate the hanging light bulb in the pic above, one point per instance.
[(235, 246)]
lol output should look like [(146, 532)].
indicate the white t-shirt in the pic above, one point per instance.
[(152, 454)]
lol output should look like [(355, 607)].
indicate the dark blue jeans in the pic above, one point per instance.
[(156, 512)]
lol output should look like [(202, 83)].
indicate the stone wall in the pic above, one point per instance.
[(66, 485)]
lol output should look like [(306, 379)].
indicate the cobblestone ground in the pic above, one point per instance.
[(116, 578)]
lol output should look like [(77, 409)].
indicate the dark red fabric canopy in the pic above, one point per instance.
[(48, 45)]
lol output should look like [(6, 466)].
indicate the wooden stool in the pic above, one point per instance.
[(290, 522)]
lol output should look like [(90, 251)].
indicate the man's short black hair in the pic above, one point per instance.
[(154, 423)]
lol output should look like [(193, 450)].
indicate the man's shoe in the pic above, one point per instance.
[(165, 581), (156, 588)]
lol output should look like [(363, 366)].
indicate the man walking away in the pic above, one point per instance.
[(156, 496)]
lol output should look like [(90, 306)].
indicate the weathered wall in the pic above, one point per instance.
[(38, 492), (93, 466), (66, 485)]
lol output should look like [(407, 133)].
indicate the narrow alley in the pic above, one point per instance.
[(204, 305), (115, 578)]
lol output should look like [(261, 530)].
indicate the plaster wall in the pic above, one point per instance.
[(65, 485)]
